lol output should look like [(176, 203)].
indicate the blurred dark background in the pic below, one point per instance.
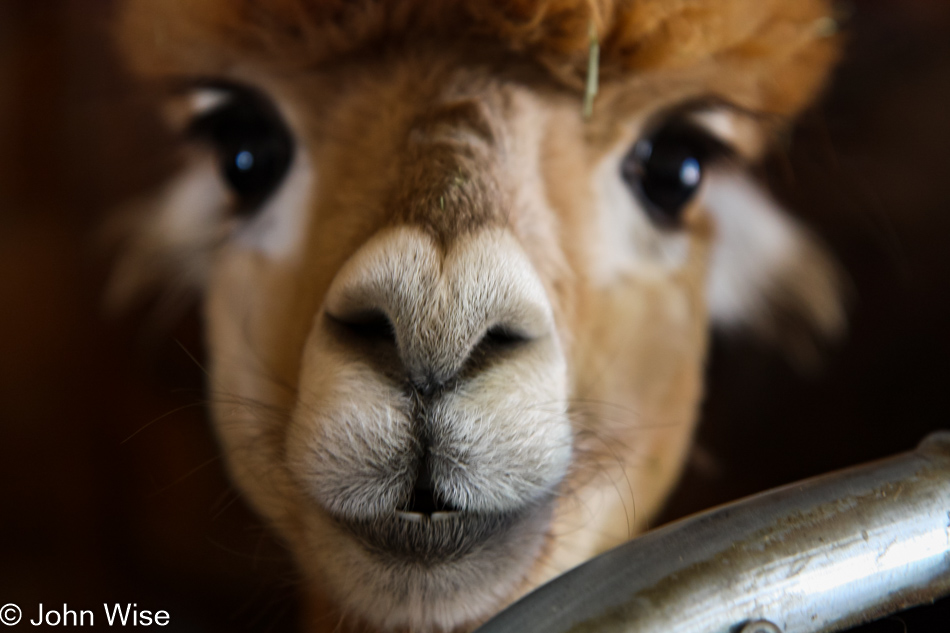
[(111, 488)]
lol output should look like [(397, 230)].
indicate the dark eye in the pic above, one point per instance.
[(253, 145), (666, 168)]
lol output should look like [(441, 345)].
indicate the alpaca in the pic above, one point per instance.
[(457, 307)]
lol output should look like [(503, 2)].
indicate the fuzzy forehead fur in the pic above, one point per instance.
[(782, 46)]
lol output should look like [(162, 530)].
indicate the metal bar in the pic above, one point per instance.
[(815, 556)]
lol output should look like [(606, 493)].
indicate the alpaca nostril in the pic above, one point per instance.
[(433, 317), (372, 325), (501, 336), (495, 345)]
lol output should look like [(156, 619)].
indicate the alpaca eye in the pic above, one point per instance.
[(253, 146), (665, 169)]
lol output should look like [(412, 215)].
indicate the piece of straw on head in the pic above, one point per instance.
[(593, 67)]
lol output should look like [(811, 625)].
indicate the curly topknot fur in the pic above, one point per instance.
[(784, 43)]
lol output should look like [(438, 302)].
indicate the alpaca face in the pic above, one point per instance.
[(456, 332)]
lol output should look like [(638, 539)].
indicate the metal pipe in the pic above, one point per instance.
[(819, 555)]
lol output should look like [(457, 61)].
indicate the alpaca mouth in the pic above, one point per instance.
[(438, 535), (424, 501)]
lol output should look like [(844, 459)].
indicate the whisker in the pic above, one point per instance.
[(220, 506), (161, 417), (251, 557), (192, 357), (191, 472)]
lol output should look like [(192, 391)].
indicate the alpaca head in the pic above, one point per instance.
[(456, 329)]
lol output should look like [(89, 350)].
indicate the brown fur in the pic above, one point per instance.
[(781, 46), (452, 126)]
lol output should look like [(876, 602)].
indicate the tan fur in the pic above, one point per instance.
[(445, 175)]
